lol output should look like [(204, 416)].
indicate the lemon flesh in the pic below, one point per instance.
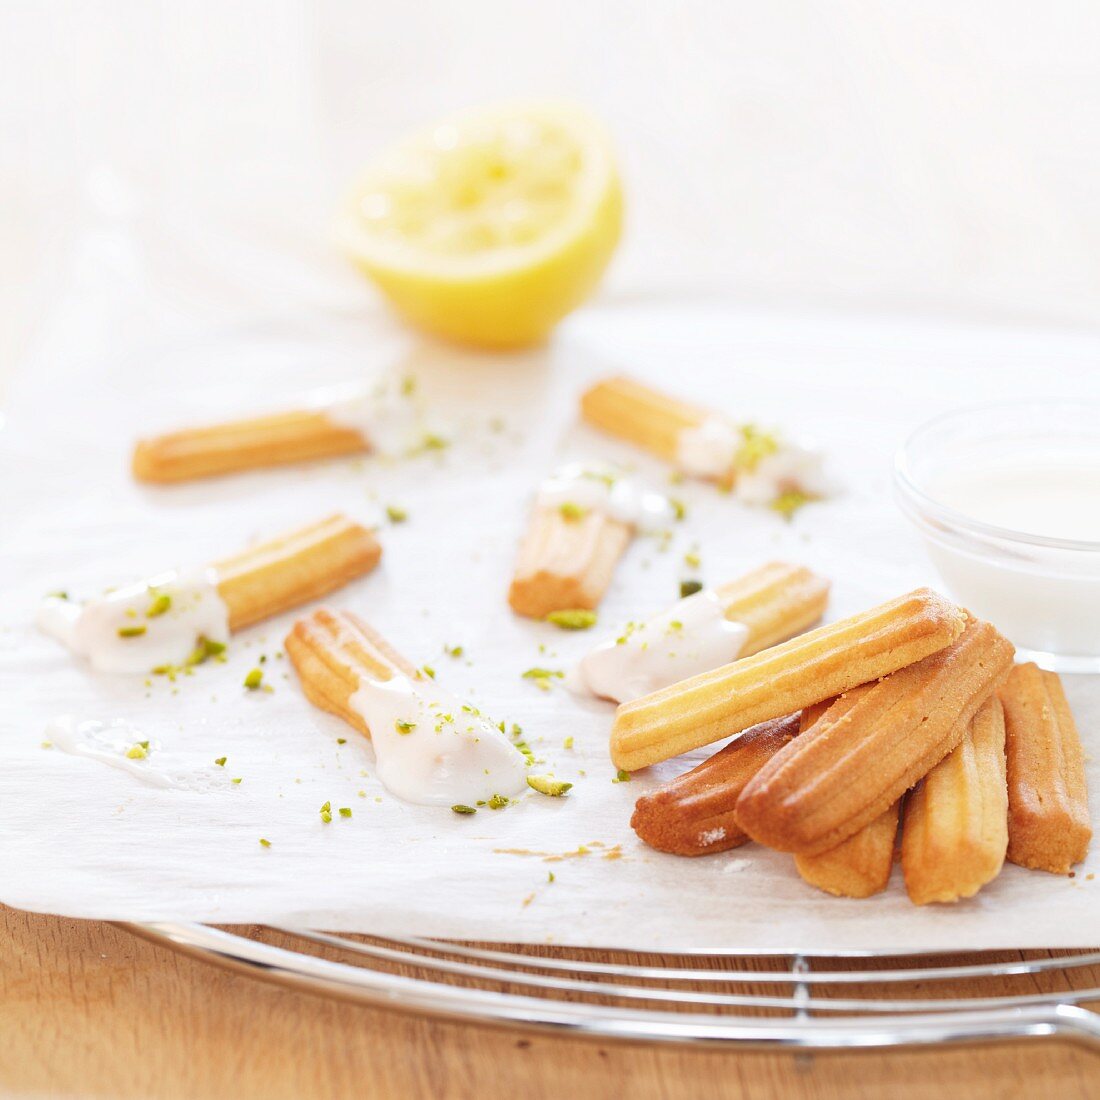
[(489, 228)]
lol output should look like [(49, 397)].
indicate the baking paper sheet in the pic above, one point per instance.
[(128, 352)]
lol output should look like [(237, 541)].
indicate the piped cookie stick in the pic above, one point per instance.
[(760, 466), (430, 747), (693, 815), (860, 866), (849, 768), (179, 616), (704, 630), (585, 517), (1049, 828), (956, 820), (380, 418), (783, 679)]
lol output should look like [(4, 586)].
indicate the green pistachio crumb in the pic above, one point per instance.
[(395, 514), (433, 442), (264, 842), (461, 809), (254, 679), (679, 508), (341, 740), (692, 558), (571, 511), (498, 802), (689, 588), (221, 761), (131, 631), (454, 651), (573, 619), (326, 816), (326, 807), (755, 446), (789, 502), (549, 876), (622, 777), (159, 606), (47, 744), (568, 743), (236, 782), (542, 677), (137, 752), (428, 671), (548, 785), (404, 727), (345, 811), (408, 385), (59, 595)]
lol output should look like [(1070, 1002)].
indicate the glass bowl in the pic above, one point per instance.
[(1007, 499)]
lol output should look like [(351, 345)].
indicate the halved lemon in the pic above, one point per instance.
[(490, 227)]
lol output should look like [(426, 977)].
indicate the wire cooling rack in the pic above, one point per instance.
[(728, 999)]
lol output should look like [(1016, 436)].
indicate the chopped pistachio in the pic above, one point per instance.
[(455, 651), (607, 478), (403, 726), (692, 558), (204, 649), (548, 785), (573, 619), (572, 512), (361, 794), (326, 807), (428, 671), (549, 876), (461, 809), (236, 782), (47, 744), (755, 445), (341, 740), (159, 606), (408, 385), (138, 751), (789, 502), (131, 631), (498, 802), (679, 508), (345, 811), (568, 743), (689, 588), (326, 816), (264, 842), (395, 514), (254, 679), (59, 595), (622, 777), (542, 677), (221, 761)]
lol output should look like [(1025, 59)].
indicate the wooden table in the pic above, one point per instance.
[(88, 1010)]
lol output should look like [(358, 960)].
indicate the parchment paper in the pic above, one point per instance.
[(133, 347)]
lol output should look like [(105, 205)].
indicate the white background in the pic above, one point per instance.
[(938, 156)]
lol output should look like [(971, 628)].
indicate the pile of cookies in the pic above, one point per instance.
[(912, 713)]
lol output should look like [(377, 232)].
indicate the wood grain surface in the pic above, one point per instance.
[(88, 1010)]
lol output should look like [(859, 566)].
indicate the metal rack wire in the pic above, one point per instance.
[(730, 999)]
